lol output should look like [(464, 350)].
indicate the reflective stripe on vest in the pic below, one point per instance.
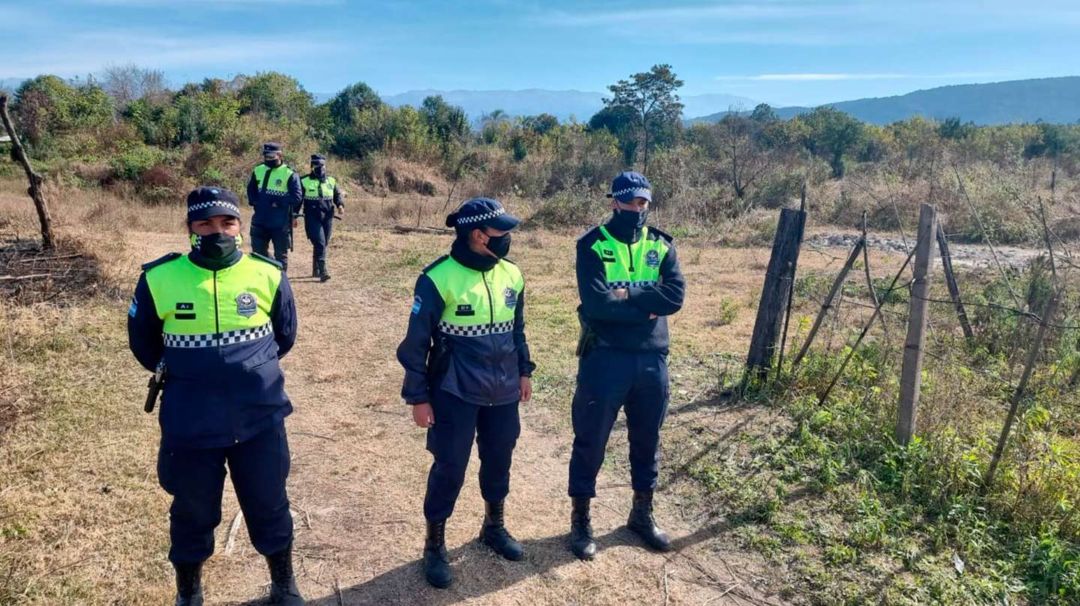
[(477, 303), (315, 189), (636, 264), (204, 308), (278, 183)]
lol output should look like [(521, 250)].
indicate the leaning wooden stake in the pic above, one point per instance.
[(866, 329), (838, 283), (954, 289), (48, 241), (774, 294), (1018, 395), (911, 374)]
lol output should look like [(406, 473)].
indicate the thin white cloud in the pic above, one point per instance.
[(691, 14), (826, 77), (85, 53)]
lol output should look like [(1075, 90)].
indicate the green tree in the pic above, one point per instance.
[(358, 96), (447, 123), (540, 124), (831, 134), (651, 96), (619, 121), (276, 96), (47, 107)]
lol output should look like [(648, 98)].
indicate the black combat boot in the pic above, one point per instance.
[(282, 581), (323, 274), (642, 523), (315, 273), (581, 536), (494, 533), (189, 584), (436, 561)]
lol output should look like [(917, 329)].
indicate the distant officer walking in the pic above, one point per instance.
[(322, 197), (629, 282), (274, 190), (467, 366), (218, 321)]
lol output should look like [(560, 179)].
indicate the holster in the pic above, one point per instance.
[(586, 338)]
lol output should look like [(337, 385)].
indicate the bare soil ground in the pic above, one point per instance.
[(83, 521)]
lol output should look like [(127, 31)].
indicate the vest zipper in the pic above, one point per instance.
[(491, 322), (217, 319), (630, 252)]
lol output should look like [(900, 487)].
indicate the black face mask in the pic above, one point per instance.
[(215, 247), (628, 220), (272, 162), (318, 171), (499, 245)]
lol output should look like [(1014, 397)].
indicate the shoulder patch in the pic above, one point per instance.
[(161, 261), (255, 255), (435, 264), (660, 235)]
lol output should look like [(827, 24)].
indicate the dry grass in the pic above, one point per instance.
[(82, 519)]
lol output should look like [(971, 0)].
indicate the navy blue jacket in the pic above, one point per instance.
[(275, 212), (624, 323), (222, 395), (484, 371)]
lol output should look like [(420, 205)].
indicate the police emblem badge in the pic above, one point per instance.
[(246, 304), (511, 297), (652, 259)]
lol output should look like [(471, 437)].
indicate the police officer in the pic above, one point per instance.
[(321, 197), (274, 190), (219, 320), (467, 366), (629, 282)]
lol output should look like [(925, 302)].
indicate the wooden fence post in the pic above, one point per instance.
[(1018, 395), (838, 283), (777, 288), (954, 289), (48, 241), (911, 374)]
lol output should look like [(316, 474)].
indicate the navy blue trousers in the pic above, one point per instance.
[(609, 379), (196, 477), (318, 223), (261, 237), (450, 440)]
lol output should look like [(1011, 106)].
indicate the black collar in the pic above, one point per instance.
[(214, 264), (461, 253)]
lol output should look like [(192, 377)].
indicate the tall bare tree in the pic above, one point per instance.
[(652, 96)]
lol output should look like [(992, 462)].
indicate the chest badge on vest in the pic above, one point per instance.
[(652, 258), (246, 304), (277, 181), (608, 255), (465, 310), (511, 297)]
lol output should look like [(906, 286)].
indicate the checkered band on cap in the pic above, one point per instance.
[(231, 337), (631, 190), (479, 330), (625, 284), (212, 204), (482, 217)]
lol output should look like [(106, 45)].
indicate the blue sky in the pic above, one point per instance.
[(781, 51)]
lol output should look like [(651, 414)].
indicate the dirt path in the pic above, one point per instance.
[(359, 469)]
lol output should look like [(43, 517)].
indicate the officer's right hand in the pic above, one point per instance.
[(621, 293), (422, 415)]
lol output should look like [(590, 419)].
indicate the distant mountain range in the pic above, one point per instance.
[(1055, 100)]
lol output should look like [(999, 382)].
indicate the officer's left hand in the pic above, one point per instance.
[(526, 389), (295, 223)]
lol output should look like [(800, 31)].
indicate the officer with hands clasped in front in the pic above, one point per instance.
[(629, 282), (217, 321), (467, 366)]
